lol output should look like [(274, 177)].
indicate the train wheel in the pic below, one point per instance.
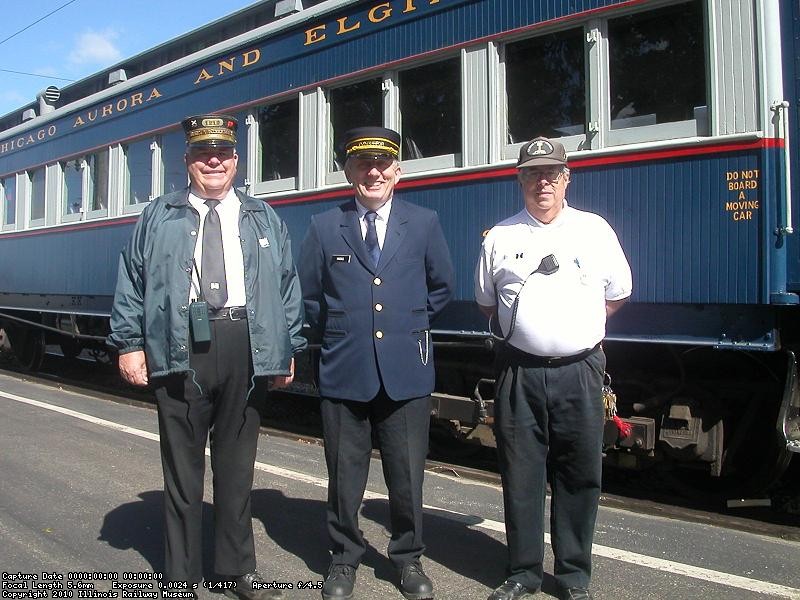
[(28, 348), (753, 465)]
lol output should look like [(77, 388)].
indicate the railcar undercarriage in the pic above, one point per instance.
[(728, 419)]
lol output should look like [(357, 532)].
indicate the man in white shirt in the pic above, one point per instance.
[(549, 277)]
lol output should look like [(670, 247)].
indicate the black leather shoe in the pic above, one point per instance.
[(414, 584), (575, 594), (511, 590), (339, 583), (252, 587)]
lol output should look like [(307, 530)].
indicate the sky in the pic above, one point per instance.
[(82, 37)]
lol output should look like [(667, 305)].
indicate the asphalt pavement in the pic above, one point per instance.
[(81, 495)]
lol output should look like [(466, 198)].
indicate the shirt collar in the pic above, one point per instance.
[(557, 222), (229, 197), (383, 211)]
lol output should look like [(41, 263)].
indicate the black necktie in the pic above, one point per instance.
[(371, 239), (215, 288)]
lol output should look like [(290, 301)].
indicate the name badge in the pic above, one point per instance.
[(341, 258), (263, 242)]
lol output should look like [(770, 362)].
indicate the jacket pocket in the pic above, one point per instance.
[(419, 320), (336, 323)]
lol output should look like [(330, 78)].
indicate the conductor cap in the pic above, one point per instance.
[(216, 131)]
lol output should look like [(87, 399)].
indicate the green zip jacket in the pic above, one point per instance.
[(151, 303)]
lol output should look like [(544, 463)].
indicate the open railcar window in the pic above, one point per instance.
[(657, 66), (430, 109), (545, 86), (279, 130), (356, 105)]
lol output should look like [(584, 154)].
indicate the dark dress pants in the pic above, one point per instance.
[(550, 419), (401, 429), (190, 407)]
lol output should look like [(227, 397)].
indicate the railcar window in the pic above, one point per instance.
[(138, 172), (98, 180), (173, 167), (9, 200), (38, 179), (357, 105), (430, 110), (279, 129), (72, 191), (657, 66), (545, 86)]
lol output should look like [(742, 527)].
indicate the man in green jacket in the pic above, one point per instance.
[(208, 311)]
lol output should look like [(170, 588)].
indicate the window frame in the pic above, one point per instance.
[(284, 184), (510, 151), (4, 226), (30, 222), (440, 161), (658, 132), (392, 118), (338, 177), (127, 208), (64, 217), (90, 183)]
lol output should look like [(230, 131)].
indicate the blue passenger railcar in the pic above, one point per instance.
[(680, 121)]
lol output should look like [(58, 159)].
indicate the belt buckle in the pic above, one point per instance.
[(230, 314)]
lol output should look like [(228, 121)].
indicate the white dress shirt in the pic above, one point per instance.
[(228, 210), (563, 313), (380, 221)]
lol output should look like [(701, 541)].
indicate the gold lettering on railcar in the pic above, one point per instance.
[(26, 140), (343, 28), (228, 65), (385, 10), (376, 14), (745, 182), (120, 105)]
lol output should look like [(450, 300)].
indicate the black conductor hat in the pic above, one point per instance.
[(372, 142), (216, 131)]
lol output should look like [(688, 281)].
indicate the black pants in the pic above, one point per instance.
[(402, 432), (214, 400), (550, 419)]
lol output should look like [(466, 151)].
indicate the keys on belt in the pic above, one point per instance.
[(234, 313)]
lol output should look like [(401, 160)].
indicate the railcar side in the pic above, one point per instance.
[(678, 117)]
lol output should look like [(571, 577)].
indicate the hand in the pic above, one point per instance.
[(281, 381), (133, 367)]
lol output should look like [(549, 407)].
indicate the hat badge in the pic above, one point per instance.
[(539, 147)]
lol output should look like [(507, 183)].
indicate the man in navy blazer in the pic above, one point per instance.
[(375, 271)]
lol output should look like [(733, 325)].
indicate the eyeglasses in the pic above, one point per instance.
[(205, 154), (367, 164), (551, 174)]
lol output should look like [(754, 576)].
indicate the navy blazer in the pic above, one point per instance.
[(375, 321)]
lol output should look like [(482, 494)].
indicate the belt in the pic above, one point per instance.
[(234, 313), (534, 360)]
